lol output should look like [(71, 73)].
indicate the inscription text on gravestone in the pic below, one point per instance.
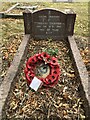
[(49, 24)]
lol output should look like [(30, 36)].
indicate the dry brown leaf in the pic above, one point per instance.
[(82, 53), (3, 74), (5, 55), (64, 112), (70, 75), (86, 61), (12, 49), (65, 96), (86, 51), (13, 105)]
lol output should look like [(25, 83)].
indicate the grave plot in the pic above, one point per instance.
[(61, 101), (66, 100)]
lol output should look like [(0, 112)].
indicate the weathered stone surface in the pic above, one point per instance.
[(27, 15), (3, 14), (81, 72), (6, 84), (49, 23), (14, 6), (0, 64)]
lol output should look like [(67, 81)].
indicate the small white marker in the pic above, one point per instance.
[(35, 84)]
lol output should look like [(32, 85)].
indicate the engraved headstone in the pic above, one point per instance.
[(49, 23)]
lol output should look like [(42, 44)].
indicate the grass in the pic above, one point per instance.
[(12, 32), (5, 5), (81, 10)]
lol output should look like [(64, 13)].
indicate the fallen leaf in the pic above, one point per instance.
[(3, 74), (64, 112), (5, 55), (65, 96), (70, 75), (86, 61), (13, 105)]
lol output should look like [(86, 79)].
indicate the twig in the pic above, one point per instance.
[(48, 112)]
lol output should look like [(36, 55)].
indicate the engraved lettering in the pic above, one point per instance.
[(49, 24)]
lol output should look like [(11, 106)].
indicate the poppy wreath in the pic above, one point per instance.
[(49, 62)]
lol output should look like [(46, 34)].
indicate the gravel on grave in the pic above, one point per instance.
[(62, 101)]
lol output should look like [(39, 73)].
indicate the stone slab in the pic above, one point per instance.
[(13, 16), (5, 15), (49, 23), (12, 71), (81, 73), (11, 8)]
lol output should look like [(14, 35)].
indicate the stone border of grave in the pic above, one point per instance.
[(12, 72), (81, 73)]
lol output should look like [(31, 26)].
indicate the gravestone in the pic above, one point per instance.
[(49, 23)]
